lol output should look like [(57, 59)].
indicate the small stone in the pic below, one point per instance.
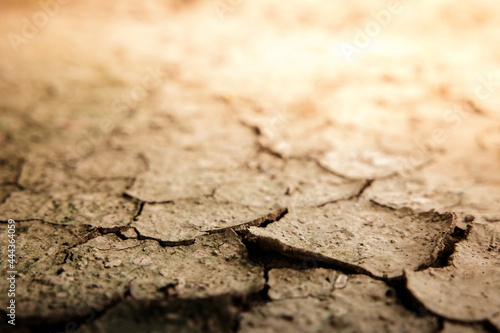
[(341, 281), (468, 218)]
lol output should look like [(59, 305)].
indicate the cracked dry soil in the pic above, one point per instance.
[(197, 166)]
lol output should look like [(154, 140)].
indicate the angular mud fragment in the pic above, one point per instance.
[(296, 184), (359, 236), (305, 301), (469, 288), (57, 283), (188, 219), (100, 205)]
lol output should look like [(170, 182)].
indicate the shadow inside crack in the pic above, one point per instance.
[(446, 247)]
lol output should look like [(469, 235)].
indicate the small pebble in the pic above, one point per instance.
[(341, 281)]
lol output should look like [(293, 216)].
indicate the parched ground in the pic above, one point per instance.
[(251, 166)]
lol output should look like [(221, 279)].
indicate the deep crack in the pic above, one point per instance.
[(118, 231), (441, 256), (286, 252)]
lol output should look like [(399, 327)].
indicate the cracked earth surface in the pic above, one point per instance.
[(172, 168)]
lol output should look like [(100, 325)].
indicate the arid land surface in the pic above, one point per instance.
[(250, 166)]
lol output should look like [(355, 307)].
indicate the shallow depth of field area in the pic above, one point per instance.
[(250, 166)]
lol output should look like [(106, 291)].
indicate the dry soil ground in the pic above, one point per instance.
[(250, 166)]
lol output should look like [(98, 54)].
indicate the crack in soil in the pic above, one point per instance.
[(269, 253), (272, 254), (381, 205), (264, 149), (268, 244), (261, 222), (225, 308), (70, 322), (357, 195), (472, 106), (441, 256), (118, 231), (333, 172), (140, 207), (144, 160), (261, 148)]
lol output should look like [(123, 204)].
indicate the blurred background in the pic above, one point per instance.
[(104, 104), (369, 89)]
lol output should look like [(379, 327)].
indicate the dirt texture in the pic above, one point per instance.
[(250, 166)]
